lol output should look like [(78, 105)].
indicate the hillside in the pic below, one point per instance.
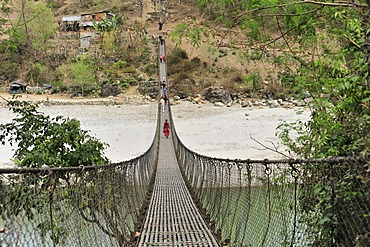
[(218, 61), (101, 48)]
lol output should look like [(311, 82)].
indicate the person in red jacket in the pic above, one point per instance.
[(166, 128)]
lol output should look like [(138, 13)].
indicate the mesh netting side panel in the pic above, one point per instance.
[(83, 207)]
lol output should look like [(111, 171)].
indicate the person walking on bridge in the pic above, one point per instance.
[(165, 101), (166, 128)]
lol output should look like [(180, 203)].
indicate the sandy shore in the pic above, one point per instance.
[(224, 132)]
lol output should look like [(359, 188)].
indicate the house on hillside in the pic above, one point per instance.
[(71, 23), (18, 86), (88, 19), (84, 25)]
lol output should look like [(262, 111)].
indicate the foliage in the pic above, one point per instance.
[(114, 70), (178, 61), (183, 84), (177, 55), (127, 82), (339, 126), (78, 76), (39, 74), (9, 66), (52, 141), (36, 24), (129, 70), (222, 53), (188, 30), (150, 69), (119, 65), (252, 81)]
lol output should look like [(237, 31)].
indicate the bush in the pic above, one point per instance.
[(120, 64), (127, 82), (183, 83), (39, 74), (177, 56), (150, 69), (252, 81), (129, 70), (222, 53), (57, 142), (9, 67), (78, 76), (196, 61)]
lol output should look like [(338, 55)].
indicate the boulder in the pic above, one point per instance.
[(149, 88), (219, 104), (182, 94), (245, 103), (109, 90), (214, 94), (273, 104)]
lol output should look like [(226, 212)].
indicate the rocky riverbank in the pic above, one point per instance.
[(219, 97), (59, 99), (248, 103)]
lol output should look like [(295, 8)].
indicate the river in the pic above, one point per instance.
[(224, 132)]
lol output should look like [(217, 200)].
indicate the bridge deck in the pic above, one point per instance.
[(173, 219)]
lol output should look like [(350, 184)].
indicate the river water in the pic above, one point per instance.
[(213, 131)]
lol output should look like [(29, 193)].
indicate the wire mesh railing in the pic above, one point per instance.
[(318, 202), (77, 206)]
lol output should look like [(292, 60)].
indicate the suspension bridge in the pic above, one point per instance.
[(172, 196)]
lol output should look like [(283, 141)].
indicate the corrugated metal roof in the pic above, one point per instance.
[(20, 83), (71, 18), (88, 24)]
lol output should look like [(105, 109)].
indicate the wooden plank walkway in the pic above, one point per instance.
[(173, 219)]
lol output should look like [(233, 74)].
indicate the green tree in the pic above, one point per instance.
[(34, 25), (109, 27), (4, 9), (39, 74), (52, 141), (78, 76)]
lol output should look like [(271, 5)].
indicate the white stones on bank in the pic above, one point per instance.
[(109, 101), (248, 103)]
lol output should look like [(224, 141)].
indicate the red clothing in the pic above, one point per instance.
[(166, 129)]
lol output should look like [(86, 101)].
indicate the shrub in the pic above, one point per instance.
[(127, 82), (129, 70), (39, 74), (150, 69), (252, 81), (120, 64), (9, 67), (78, 76), (222, 53), (177, 56)]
